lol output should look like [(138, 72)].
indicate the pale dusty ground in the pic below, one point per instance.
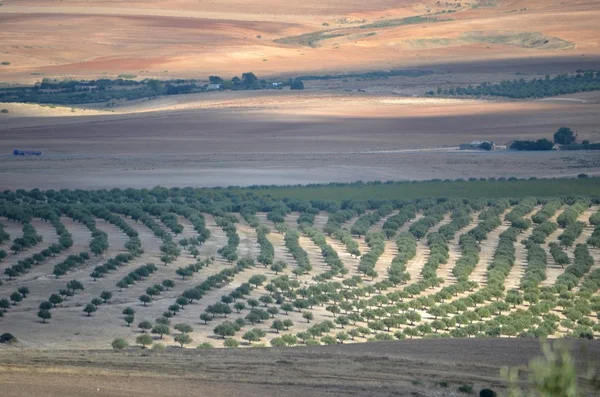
[(278, 138)]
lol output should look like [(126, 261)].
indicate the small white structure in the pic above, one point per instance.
[(213, 87)]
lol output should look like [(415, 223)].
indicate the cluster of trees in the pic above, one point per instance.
[(376, 243), (189, 270), (541, 232), (216, 281), (396, 221), (582, 263), (560, 257), (71, 288), (540, 144), (106, 90), (570, 215), (537, 88), (267, 252), (503, 261), (229, 251), (69, 263), (292, 243), (364, 223), (570, 233), (249, 81), (169, 219), (564, 137), (15, 298), (407, 250), (99, 242), (111, 265), (345, 238), (594, 239), (65, 242), (460, 218), (30, 238), (4, 236), (330, 255), (335, 220), (547, 211), (198, 222), (535, 272), (420, 228), (141, 273)]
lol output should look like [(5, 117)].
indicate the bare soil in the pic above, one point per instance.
[(279, 138), (405, 368)]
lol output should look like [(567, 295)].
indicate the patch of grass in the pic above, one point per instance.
[(388, 23), (485, 3), (467, 389), (416, 382), (309, 39), (360, 36), (443, 384), (519, 39), (370, 75), (5, 63), (4, 111), (127, 76)]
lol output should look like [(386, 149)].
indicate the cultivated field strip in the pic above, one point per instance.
[(474, 264)]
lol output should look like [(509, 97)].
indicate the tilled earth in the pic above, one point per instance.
[(403, 368)]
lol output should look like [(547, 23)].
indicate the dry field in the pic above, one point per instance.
[(404, 368), (336, 130), (277, 138), (187, 38)]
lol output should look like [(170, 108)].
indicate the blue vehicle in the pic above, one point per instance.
[(18, 152)]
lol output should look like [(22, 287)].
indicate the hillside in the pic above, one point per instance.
[(184, 38)]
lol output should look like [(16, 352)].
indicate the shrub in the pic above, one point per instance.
[(157, 346), (119, 344), (487, 393), (230, 342), (564, 136), (144, 340), (7, 338), (297, 85), (468, 389)]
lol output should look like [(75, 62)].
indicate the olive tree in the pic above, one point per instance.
[(183, 339), (120, 344), (44, 314)]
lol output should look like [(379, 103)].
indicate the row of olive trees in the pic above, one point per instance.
[(292, 243), (329, 254), (139, 274), (229, 251), (65, 240), (15, 298), (364, 223)]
